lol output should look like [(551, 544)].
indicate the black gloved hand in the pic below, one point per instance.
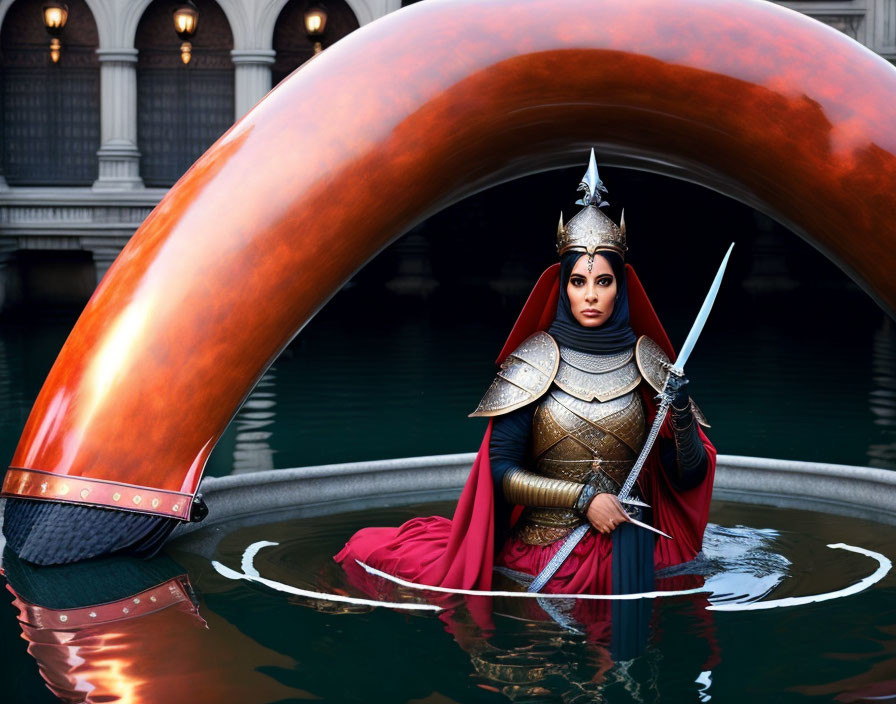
[(676, 387)]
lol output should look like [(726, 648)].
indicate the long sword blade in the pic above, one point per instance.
[(697, 327), (665, 398)]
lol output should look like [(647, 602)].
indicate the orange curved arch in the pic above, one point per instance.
[(395, 122)]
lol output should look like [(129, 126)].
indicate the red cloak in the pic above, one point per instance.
[(460, 553)]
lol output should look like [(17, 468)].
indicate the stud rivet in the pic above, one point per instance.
[(136, 601), (63, 490), (125, 610), (176, 507), (63, 618), (155, 503), (116, 496), (43, 488), (85, 493), (92, 614), (153, 599), (137, 499)]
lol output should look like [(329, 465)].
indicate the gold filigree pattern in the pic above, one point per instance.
[(532, 533), (590, 423)]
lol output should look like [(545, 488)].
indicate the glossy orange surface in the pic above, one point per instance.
[(414, 112), (155, 647)]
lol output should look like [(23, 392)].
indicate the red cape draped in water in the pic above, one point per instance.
[(460, 553)]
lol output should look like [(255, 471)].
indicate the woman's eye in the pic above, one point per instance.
[(578, 282), (605, 282)]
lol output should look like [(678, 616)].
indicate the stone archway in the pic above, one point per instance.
[(411, 114), (181, 109)]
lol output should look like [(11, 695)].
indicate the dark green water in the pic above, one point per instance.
[(256, 644), (772, 384)]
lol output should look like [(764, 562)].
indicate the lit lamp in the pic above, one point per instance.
[(55, 15), (186, 18), (315, 24)]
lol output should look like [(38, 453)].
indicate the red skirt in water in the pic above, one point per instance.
[(461, 553)]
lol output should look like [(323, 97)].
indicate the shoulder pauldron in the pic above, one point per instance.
[(524, 376), (654, 365)]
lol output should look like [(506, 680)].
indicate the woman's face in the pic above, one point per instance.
[(592, 294)]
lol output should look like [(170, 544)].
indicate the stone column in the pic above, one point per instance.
[(3, 185), (7, 248), (119, 160), (252, 76)]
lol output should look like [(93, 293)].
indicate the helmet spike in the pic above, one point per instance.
[(592, 185), (622, 224), (589, 230)]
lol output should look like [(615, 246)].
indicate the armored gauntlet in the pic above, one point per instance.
[(528, 489)]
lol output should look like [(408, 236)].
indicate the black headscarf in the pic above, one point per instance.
[(615, 335)]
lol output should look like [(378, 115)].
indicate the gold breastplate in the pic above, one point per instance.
[(591, 422)]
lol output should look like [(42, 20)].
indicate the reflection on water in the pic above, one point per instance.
[(173, 629), (126, 630), (253, 427), (883, 395)]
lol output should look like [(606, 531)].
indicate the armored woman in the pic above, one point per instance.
[(569, 409)]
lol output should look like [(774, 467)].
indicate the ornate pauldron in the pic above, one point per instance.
[(524, 376)]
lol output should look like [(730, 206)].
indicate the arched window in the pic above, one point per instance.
[(181, 108), (292, 44), (49, 112)]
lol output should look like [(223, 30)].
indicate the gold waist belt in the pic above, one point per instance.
[(543, 526), (580, 470)]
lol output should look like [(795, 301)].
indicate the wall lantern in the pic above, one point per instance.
[(186, 19), (315, 24), (55, 15)]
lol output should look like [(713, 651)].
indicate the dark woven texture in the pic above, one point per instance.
[(87, 583), (51, 533)]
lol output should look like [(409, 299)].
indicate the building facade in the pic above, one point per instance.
[(89, 145)]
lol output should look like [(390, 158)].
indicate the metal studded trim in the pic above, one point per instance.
[(524, 376)]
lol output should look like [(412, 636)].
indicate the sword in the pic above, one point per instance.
[(662, 410), (678, 369)]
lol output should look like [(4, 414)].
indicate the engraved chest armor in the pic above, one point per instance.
[(590, 424)]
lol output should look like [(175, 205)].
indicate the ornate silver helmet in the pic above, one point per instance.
[(590, 231)]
